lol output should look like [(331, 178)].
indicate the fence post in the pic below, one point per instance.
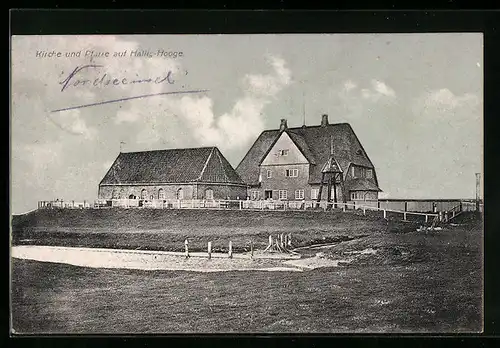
[(426, 218), (186, 248), (281, 240), (404, 216), (289, 239), (364, 210), (446, 216), (230, 249), (209, 250), (240, 205), (343, 208), (440, 216), (385, 214)]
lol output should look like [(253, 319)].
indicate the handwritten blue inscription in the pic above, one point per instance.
[(74, 79)]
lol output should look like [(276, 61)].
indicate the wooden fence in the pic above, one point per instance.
[(424, 211)]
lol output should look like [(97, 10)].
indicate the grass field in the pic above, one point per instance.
[(416, 282), (151, 229)]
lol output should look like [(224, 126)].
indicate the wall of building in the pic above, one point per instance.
[(191, 191), (278, 180), (359, 172), (294, 155), (221, 191), (124, 191)]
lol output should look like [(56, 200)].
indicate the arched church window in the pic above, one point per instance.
[(180, 194), (209, 194)]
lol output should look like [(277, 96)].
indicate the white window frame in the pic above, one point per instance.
[(161, 194), (269, 174), (144, 194), (282, 194), (299, 194), (369, 173), (353, 195), (315, 194), (352, 172), (255, 195), (284, 152), (291, 173)]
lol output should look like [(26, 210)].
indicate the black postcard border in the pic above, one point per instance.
[(70, 22)]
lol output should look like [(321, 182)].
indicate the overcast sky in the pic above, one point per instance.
[(414, 100)]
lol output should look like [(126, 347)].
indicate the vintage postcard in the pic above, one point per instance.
[(313, 183)]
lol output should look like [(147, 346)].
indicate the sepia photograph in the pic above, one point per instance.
[(246, 183)]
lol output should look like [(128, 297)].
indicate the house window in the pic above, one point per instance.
[(299, 194), (283, 152), (353, 195), (369, 174), (180, 194), (268, 194), (269, 174), (255, 195), (291, 173), (143, 194), (314, 193), (209, 194), (161, 194), (283, 194), (353, 173)]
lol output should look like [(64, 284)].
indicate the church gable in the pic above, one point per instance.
[(284, 151)]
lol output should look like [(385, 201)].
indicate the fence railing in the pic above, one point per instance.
[(405, 211)]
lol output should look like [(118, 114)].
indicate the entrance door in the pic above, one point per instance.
[(268, 194)]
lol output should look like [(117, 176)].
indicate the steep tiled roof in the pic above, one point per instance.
[(361, 184), (315, 143), (205, 164)]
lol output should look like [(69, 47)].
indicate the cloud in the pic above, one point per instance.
[(194, 115), (270, 85), (72, 123), (383, 89), (378, 91), (349, 85), (444, 100)]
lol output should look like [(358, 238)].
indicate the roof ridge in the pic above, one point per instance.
[(174, 149), (206, 164), (306, 127)]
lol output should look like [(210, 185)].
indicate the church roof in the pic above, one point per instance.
[(361, 184), (315, 143), (204, 164)]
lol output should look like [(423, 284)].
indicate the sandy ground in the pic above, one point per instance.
[(157, 260), (149, 260)]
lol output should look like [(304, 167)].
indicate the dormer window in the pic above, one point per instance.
[(283, 152), (369, 174)]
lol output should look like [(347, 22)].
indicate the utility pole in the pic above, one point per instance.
[(478, 189)]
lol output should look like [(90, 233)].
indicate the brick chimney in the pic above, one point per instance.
[(283, 124), (324, 120)]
